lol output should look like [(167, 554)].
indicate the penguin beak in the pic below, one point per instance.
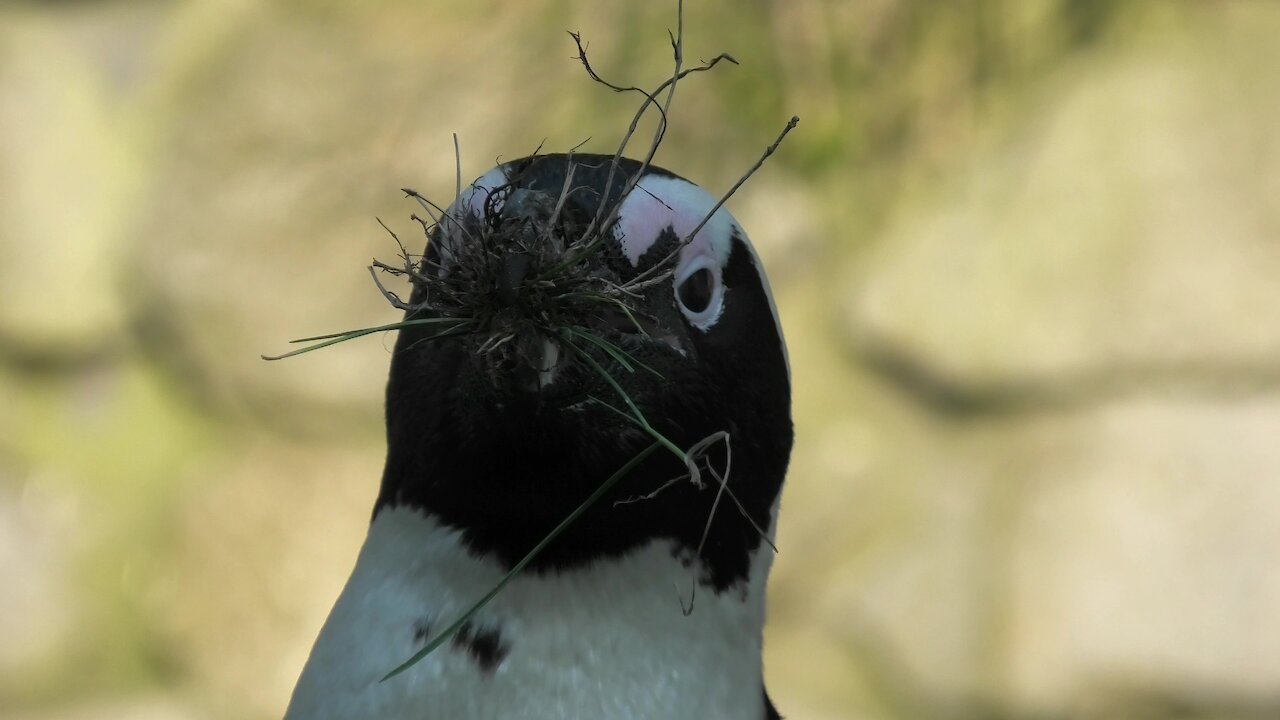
[(533, 367)]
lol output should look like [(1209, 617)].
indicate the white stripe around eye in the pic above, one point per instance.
[(659, 202)]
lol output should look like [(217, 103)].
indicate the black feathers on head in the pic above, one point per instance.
[(474, 439)]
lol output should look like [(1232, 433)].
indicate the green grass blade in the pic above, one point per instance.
[(617, 353), (391, 326), (335, 338), (635, 411), (609, 406), (612, 300), (624, 358)]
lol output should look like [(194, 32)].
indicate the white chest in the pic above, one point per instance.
[(607, 641)]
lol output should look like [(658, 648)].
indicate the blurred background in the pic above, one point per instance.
[(1027, 254)]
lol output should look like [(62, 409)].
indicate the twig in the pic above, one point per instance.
[(715, 504), (650, 495), (564, 191), (404, 252), (791, 124), (457, 169), (391, 297), (606, 212), (433, 208), (645, 275)]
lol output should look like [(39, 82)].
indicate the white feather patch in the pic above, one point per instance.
[(604, 641)]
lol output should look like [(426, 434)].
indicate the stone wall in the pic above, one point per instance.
[(1026, 255)]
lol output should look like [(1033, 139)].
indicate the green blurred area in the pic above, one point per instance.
[(1026, 254)]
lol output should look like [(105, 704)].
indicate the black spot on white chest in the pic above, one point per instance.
[(484, 645)]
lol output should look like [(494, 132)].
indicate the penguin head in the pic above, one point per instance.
[(579, 307)]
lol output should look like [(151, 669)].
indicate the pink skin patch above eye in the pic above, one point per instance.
[(658, 202)]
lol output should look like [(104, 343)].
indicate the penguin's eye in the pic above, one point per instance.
[(695, 291), (699, 293)]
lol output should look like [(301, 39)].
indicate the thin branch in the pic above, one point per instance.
[(564, 191), (433, 208), (404, 252), (715, 504), (457, 169), (643, 276), (650, 495), (606, 213), (391, 297), (791, 124)]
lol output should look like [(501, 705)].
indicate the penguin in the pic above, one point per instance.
[(651, 604)]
